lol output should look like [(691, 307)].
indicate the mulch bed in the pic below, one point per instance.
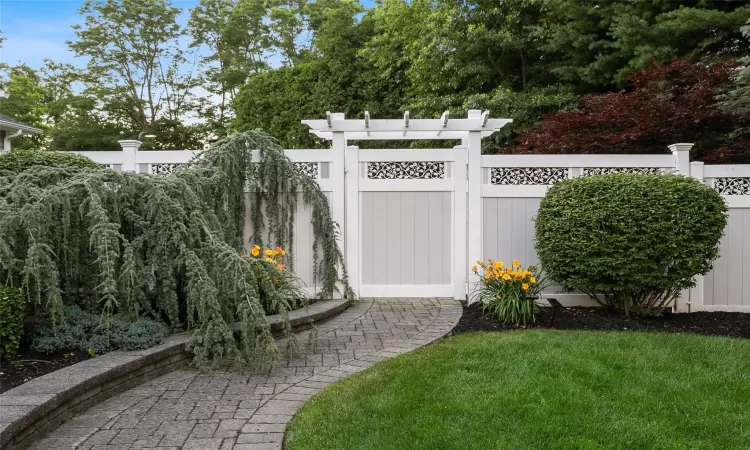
[(733, 324), (29, 365)]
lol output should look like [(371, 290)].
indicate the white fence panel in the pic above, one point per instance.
[(512, 187), (403, 213), (727, 286), (318, 164)]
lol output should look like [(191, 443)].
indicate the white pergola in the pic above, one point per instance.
[(470, 131), (406, 128)]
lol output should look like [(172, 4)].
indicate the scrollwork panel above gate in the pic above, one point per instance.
[(406, 170)]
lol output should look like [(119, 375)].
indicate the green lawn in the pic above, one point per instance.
[(541, 390)]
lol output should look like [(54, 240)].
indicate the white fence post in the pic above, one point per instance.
[(682, 166), (695, 302), (129, 155), (681, 154), (352, 231)]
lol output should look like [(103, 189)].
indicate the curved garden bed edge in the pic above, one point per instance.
[(37, 407)]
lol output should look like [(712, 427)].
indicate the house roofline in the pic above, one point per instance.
[(17, 126)]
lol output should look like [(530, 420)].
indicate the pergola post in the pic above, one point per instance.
[(460, 269), (338, 176), (473, 144), (351, 232)]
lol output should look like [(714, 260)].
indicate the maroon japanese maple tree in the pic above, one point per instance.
[(669, 103)]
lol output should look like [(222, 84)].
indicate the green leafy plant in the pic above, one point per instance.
[(508, 293), (18, 161), (171, 246), (92, 353), (631, 242), (12, 307)]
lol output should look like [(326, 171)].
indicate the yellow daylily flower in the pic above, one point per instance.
[(280, 267), (255, 251), (269, 252), (267, 259), (506, 277), (516, 263), (474, 269), (532, 280), (497, 265), (524, 286), (280, 251)]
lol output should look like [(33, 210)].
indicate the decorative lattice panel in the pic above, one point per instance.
[(732, 186), (406, 170), (527, 175), (611, 170), (308, 168), (164, 169)]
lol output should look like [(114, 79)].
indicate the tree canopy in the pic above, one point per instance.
[(195, 75)]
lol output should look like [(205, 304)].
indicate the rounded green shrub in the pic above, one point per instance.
[(631, 242), (12, 306), (17, 161)]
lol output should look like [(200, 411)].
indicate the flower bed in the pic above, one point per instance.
[(733, 324)]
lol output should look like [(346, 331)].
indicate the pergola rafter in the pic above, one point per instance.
[(406, 128)]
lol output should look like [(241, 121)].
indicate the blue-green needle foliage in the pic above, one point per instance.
[(168, 247)]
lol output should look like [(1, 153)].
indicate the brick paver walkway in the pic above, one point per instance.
[(185, 410)]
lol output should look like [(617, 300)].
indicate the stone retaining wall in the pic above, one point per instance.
[(29, 411)]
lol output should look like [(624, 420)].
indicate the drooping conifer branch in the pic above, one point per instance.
[(170, 247)]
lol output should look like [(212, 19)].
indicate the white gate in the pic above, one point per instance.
[(406, 213)]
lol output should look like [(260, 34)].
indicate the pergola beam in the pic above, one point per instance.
[(406, 128), (396, 135)]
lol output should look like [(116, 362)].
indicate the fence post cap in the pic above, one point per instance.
[(681, 147)]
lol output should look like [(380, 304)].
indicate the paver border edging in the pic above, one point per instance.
[(30, 410), (300, 393)]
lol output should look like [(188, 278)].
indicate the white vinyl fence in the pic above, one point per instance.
[(415, 220)]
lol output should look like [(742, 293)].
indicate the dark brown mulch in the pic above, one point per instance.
[(732, 324), (29, 365)]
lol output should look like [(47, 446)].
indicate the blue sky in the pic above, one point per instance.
[(38, 29)]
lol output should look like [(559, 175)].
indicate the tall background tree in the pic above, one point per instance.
[(192, 75), (137, 67)]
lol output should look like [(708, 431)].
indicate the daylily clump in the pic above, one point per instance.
[(496, 271), (272, 256), (507, 293)]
